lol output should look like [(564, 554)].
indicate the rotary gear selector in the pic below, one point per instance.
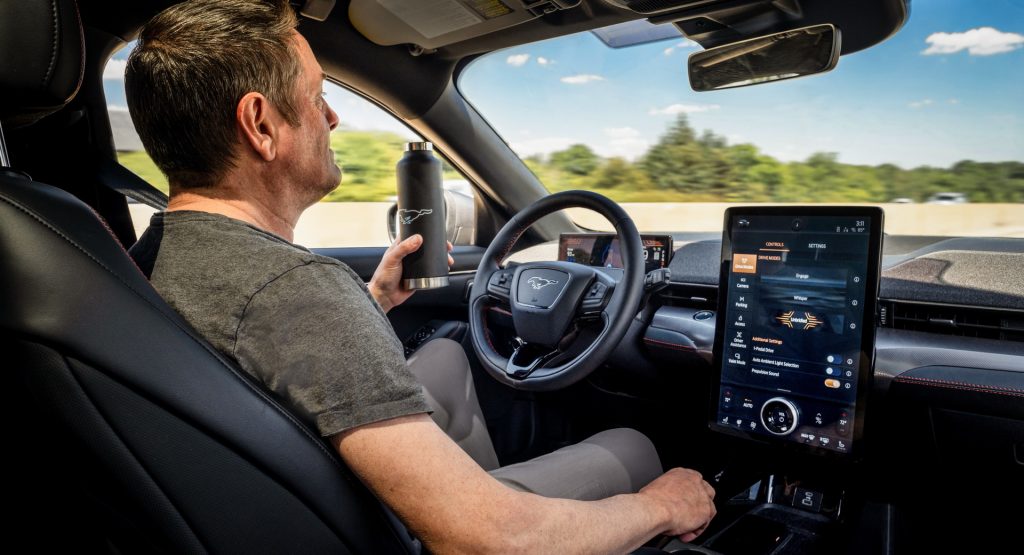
[(779, 416)]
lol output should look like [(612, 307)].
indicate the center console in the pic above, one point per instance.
[(792, 366)]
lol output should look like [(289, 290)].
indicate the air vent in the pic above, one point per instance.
[(1006, 325), (701, 297)]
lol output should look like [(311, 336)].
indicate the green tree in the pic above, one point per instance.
[(682, 166), (670, 163), (577, 160), (617, 173), (367, 160), (822, 178)]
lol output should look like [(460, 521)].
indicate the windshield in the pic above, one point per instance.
[(929, 123)]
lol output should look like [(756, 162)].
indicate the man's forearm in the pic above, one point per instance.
[(617, 524)]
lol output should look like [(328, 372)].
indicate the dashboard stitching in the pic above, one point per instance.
[(963, 386), (670, 345), (969, 384)]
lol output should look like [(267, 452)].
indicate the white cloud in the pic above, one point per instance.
[(675, 109), (680, 46), (918, 104), (115, 70), (630, 149), (544, 61), (983, 41), (581, 79), (517, 60), (953, 101), (625, 142)]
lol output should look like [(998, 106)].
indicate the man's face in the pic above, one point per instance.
[(311, 165)]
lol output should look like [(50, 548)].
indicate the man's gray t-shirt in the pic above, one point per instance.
[(303, 324)]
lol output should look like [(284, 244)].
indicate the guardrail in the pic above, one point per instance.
[(361, 224)]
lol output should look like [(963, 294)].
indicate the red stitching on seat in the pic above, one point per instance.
[(116, 240), (963, 386)]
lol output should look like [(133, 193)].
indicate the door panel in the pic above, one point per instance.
[(429, 308), (364, 260)]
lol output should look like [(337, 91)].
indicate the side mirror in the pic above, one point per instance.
[(784, 55), (459, 215)]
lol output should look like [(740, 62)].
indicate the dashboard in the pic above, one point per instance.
[(936, 393), (946, 387)]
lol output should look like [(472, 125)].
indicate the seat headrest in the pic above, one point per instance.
[(42, 57)]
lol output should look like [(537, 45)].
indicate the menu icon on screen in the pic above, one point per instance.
[(744, 263)]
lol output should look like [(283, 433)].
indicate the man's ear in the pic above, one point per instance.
[(259, 124)]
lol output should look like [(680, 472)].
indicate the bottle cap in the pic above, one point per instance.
[(418, 146)]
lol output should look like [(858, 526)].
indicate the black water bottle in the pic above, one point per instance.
[(421, 210)]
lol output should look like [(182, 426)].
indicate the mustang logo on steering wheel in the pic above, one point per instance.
[(540, 283)]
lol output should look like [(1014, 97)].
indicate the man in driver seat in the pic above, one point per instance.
[(227, 98)]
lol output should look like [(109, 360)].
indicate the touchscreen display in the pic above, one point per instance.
[(602, 249), (796, 325)]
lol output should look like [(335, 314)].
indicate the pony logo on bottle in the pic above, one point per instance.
[(409, 216)]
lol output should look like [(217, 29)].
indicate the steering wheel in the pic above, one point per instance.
[(547, 299)]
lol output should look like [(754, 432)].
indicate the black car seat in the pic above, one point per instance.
[(168, 446)]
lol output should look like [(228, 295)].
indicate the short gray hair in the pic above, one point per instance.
[(193, 63)]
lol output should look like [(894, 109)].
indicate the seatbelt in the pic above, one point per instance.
[(119, 178)]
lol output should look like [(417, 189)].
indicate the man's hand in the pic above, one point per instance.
[(386, 283), (689, 500)]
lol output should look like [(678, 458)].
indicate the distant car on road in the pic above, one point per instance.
[(902, 200), (947, 198)]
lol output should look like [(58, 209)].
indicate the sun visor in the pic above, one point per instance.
[(432, 24)]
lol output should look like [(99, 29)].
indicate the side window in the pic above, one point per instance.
[(367, 144)]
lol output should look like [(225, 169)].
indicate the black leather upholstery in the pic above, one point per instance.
[(41, 58), (171, 443), (122, 424)]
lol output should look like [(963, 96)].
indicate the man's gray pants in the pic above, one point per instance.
[(605, 464)]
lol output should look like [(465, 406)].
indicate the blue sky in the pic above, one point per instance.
[(889, 103), (948, 86)]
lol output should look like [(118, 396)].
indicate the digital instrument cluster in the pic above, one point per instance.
[(602, 249)]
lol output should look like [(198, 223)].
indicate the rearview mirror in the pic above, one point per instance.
[(784, 55)]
